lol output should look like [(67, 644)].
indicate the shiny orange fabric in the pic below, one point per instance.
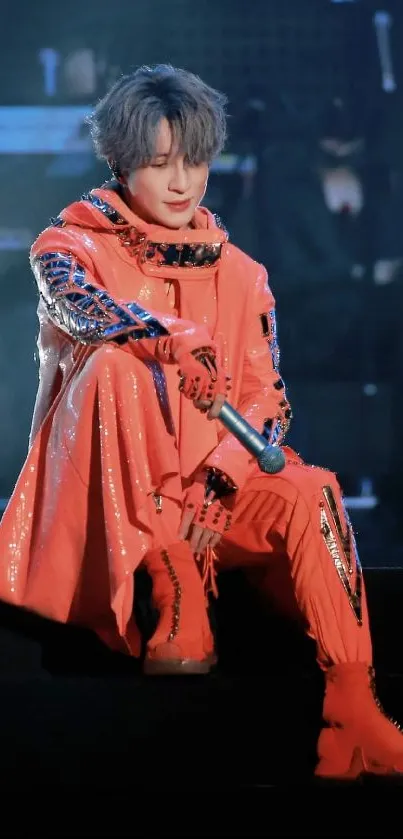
[(277, 528), (110, 427)]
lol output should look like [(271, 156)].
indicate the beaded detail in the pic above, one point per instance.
[(176, 605), (161, 254)]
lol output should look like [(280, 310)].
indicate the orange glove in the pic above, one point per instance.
[(208, 511), (200, 377)]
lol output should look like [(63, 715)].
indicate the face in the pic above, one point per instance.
[(168, 190)]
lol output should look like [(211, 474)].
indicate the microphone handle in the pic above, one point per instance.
[(270, 458)]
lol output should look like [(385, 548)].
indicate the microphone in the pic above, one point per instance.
[(270, 458)]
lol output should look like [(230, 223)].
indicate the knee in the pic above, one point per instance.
[(121, 372), (323, 477), (311, 480), (111, 359)]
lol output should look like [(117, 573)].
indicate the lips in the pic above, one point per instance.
[(178, 206)]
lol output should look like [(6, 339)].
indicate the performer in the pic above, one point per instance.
[(139, 283)]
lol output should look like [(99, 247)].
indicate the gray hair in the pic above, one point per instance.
[(123, 124)]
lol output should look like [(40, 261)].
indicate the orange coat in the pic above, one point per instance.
[(111, 283)]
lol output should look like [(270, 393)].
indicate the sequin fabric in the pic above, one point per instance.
[(110, 430)]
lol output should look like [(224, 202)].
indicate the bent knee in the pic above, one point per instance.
[(311, 480), (112, 358)]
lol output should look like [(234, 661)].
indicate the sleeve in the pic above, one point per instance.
[(263, 401), (78, 305), (49, 349)]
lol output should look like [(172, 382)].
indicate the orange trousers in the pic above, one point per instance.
[(292, 535), (298, 518)]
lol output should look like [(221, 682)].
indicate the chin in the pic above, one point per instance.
[(175, 220)]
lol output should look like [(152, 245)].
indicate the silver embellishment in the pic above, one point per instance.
[(106, 209), (89, 314), (199, 255), (275, 429), (343, 549), (163, 254), (272, 341)]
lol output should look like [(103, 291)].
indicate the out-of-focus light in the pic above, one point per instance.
[(45, 129), (15, 238), (50, 60)]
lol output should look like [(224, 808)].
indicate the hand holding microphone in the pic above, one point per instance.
[(270, 458)]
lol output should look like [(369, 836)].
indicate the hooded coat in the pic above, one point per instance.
[(110, 427)]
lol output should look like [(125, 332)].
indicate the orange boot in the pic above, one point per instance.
[(183, 642), (360, 738)]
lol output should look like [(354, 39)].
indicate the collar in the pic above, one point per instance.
[(197, 248)]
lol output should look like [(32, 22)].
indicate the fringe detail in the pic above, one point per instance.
[(209, 572)]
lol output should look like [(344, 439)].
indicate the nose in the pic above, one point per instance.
[(179, 181)]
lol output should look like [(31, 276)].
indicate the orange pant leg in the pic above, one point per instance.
[(299, 516)]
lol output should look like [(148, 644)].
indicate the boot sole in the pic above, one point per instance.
[(358, 770)]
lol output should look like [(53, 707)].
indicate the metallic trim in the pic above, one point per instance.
[(176, 605), (218, 483), (275, 430), (372, 684), (264, 320), (162, 254), (354, 597), (269, 330), (160, 385), (87, 313), (272, 341), (272, 431), (158, 502), (345, 537), (133, 241), (106, 209), (199, 255)]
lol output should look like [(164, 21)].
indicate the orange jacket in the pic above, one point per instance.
[(106, 275), (107, 433)]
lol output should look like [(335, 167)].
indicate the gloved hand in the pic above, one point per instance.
[(205, 516), (200, 377)]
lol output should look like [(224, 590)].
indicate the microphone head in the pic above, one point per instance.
[(271, 460)]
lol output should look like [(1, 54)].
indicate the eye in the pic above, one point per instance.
[(159, 164)]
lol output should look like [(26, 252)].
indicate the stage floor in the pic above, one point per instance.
[(71, 712)]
